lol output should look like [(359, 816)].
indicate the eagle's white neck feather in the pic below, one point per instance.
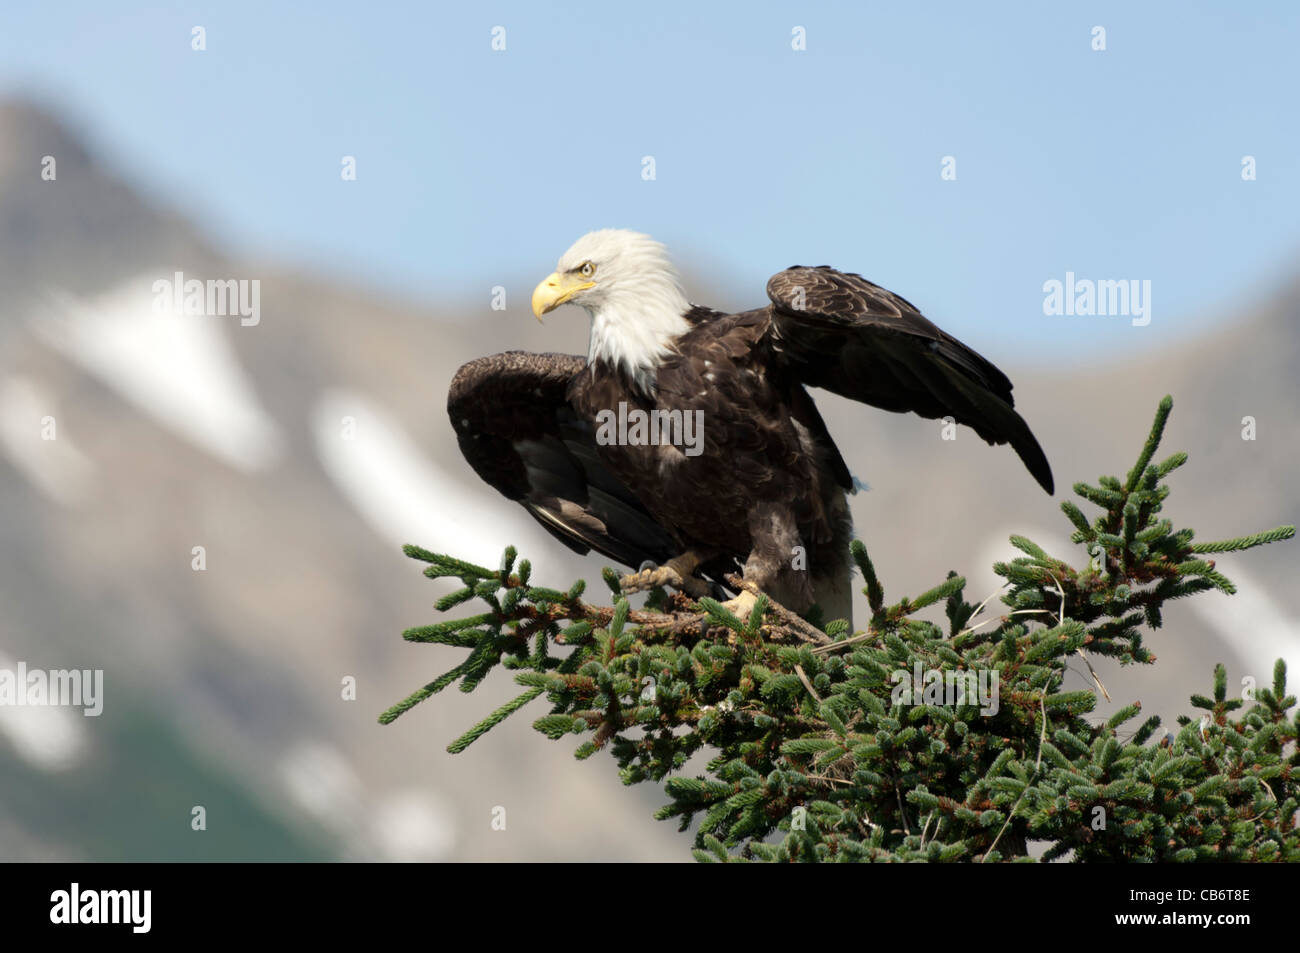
[(635, 327), (637, 305)]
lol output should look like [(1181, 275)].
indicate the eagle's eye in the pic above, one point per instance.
[(586, 269)]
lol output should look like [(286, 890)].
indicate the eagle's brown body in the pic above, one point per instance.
[(768, 487)]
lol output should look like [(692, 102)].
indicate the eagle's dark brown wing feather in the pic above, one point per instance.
[(519, 433), (840, 332)]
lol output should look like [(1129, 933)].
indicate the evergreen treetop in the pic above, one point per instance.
[(908, 740)]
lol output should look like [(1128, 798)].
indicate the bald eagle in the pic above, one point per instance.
[(687, 440)]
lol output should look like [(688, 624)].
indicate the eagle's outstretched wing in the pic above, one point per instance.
[(840, 332), (519, 433)]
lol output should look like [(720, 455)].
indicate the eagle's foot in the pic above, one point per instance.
[(664, 575), (742, 605), (676, 573)]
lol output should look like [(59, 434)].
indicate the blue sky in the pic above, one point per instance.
[(478, 167)]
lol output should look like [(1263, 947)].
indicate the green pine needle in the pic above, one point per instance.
[(492, 720)]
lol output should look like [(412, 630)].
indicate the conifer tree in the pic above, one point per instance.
[(873, 745)]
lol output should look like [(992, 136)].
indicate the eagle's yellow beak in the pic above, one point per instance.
[(556, 289)]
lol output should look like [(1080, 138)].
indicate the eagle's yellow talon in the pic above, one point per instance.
[(742, 605), (665, 575), (677, 572)]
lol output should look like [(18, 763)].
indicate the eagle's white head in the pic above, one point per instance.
[(629, 287)]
